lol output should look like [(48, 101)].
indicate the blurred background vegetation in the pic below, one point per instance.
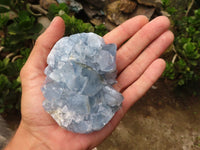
[(19, 28), (184, 67)]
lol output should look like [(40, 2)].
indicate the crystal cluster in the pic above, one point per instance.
[(79, 77)]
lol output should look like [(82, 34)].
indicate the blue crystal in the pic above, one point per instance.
[(79, 77)]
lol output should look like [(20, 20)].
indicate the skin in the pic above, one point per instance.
[(139, 43)]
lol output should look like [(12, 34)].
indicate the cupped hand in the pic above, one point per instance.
[(139, 43)]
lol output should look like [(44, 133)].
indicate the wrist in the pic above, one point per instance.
[(24, 140)]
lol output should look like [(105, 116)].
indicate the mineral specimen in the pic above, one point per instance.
[(79, 77)]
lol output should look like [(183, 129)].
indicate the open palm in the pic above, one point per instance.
[(139, 42)]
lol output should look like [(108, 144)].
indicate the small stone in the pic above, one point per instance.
[(165, 13), (79, 77), (97, 3), (127, 6), (46, 3), (44, 21), (109, 25), (73, 5), (97, 22), (91, 11), (144, 10), (114, 15), (154, 3)]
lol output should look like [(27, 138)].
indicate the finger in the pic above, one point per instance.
[(136, 68), (132, 94), (140, 87), (126, 30), (44, 43), (129, 51)]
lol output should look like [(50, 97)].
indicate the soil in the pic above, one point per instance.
[(162, 120)]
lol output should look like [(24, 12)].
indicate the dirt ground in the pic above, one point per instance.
[(161, 120)]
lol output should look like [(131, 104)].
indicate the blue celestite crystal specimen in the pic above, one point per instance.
[(79, 77)]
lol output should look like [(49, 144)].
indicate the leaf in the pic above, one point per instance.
[(193, 62), (16, 84), (25, 52), (101, 30), (169, 71), (191, 30), (19, 63), (2, 109), (64, 7), (25, 20), (74, 25), (197, 12), (189, 46), (181, 82), (181, 65), (6, 61), (54, 10), (3, 20), (190, 50), (35, 29), (171, 10), (4, 82), (165, 3), (13, 29), (4, 64)]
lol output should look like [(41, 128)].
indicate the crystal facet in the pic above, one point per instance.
[(79, 77)]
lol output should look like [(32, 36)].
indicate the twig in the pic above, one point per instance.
[(16, 57), (10, 55), (1, 48), (189, 8), (174, 58), (175, 55), (174, 49), (38, 8)]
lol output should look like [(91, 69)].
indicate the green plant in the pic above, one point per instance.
[(185, 69), (100, 30), (17, 36), (16, 41), (169, 71), (72, 24), (166, 6), (54, 10)]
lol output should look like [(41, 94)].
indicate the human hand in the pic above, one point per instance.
[(139, 45)]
